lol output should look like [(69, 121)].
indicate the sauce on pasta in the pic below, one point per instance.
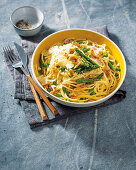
[(78, 70)]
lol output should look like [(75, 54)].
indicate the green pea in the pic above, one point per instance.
[(93, 93), (90, 90), (62, 68), (116, 74), (49, 90), (64, 89), (54, 82), (106, 55)]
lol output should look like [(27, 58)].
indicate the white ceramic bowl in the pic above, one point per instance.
[(78, 34), (27, 13)]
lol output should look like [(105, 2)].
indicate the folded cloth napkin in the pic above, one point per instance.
[(25, 96)]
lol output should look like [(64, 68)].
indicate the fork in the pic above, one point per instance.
[(17, 63), (36, 96)]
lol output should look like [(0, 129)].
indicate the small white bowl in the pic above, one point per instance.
[(30, 14)]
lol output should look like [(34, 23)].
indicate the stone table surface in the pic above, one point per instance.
[(104, 139)]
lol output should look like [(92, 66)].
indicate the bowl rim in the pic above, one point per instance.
[(31, 29), (87, 104)]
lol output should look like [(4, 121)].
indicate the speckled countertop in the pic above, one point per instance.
[(104, 139)]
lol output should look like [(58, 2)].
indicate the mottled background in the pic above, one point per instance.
[(104, 139)]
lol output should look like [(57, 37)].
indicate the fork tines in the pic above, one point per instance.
[(9, 54)]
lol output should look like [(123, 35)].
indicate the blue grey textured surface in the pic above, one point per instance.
[(103, 139)]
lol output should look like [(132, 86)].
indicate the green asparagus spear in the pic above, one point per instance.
[(90, 80), (86, 64), (118, 69), (90, 68), (84, 69), (111, 66), (85, 49), (44, 58), (83, 55), (90, 90), (111, 62), (58, 95), (78, 71), (41, 65), (94, 67), (80, 42), (81, 66)]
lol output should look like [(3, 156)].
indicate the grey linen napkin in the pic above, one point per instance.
[(24, 94)]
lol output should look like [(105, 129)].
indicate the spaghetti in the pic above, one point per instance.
[(78, 70)]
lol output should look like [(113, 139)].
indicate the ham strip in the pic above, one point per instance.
[(97, 60)]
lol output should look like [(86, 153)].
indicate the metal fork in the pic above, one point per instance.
[(17, 63), (37, 99)]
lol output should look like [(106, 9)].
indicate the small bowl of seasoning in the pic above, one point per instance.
[(27, 20)]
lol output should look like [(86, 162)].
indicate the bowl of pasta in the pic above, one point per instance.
[(78, 67)]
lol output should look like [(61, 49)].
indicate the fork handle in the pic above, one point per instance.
[(39, 104), (52, 108)]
